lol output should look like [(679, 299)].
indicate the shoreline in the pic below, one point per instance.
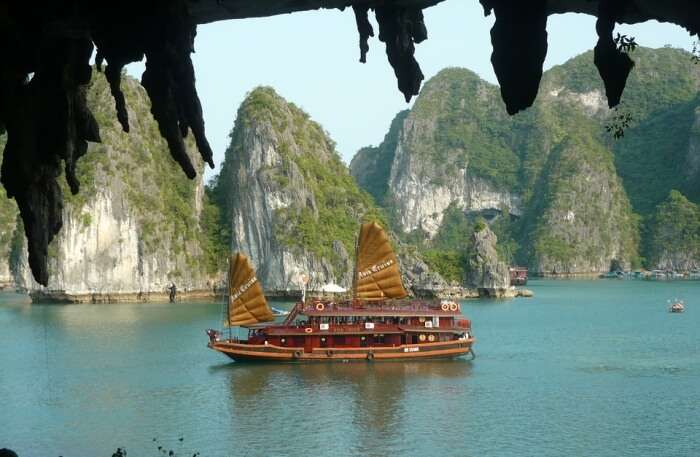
[(213, 296)]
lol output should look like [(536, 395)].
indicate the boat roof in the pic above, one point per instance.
[(349, 312), (299, 330)]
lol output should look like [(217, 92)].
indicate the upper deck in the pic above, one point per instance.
[(384, 308)]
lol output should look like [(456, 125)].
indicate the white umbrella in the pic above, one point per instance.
[(332, 288)]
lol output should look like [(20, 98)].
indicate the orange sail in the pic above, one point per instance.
[(377, 272), (246, 300)]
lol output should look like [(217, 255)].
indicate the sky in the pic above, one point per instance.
[(312, 59)]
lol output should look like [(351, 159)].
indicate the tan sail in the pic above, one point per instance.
[(377, 272), (246, 300)]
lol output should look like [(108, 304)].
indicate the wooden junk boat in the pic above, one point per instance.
[(378, 323)]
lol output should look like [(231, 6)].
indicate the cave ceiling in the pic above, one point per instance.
[(47, 46)]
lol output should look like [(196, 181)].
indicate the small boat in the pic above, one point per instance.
[(377, 323), (278, 311), (677, 307), (616, 274)]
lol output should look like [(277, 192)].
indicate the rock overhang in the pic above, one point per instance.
[(49, 124)]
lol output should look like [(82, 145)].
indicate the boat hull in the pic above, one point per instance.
[(272, 353)]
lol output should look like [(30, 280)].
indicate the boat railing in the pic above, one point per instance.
[(332, 327), (363, 306), (373, 327)]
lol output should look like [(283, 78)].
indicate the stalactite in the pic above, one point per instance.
[(170, 82), (364, 29), (48, 124), (613, 65), (119, 48), (519, 39), (399, 29)]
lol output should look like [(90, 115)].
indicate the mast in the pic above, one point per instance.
[(228, 302), (354, 273)]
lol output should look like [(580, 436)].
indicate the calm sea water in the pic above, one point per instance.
[(586, 368)]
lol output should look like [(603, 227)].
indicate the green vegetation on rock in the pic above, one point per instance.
[(371, 166), (465, 126), (585, 198), (8, 215), (675, 232), (322, 202)]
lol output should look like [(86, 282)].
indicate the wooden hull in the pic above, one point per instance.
[(272, 353)]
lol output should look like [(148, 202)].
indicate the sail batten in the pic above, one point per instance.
[(246, 299), (377, 273)]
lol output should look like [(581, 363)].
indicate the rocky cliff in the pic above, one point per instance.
[(132, 230), (438, 156), (487, 273), (8, 224), (291, 204), (555, 170), (674, 234)]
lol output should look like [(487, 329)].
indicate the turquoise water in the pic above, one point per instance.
[(586, 368)]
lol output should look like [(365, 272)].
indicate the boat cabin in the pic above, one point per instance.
[(328, 324)]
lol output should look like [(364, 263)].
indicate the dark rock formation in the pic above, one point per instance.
[(519, 39), (399, 28), (613, 65), (49, 125)]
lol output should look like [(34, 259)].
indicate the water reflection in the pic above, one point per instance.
[(337, 406)]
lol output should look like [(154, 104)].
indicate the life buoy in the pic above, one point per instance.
[(421, 337), (431, 338), (297, 354), (454, 306), (308, 330), (320, 306), (445, 306)]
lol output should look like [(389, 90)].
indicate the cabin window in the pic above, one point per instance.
[(324, 343), (363, 341), (379, 339)]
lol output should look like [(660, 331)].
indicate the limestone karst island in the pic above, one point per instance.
[(222, 235)]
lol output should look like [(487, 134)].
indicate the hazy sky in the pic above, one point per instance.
[(311, 59)]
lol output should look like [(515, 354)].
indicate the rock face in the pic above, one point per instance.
[(583, 218), (291, 203), (487, 273), (418, 278), (675, 234), (437, 156), (132, 231), (8, 225), (555, 168)]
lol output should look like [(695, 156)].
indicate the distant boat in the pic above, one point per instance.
[(677, 306), (518, 276), (613, 275), (376, 324)]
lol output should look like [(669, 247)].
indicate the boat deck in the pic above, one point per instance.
[(269, 352)]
